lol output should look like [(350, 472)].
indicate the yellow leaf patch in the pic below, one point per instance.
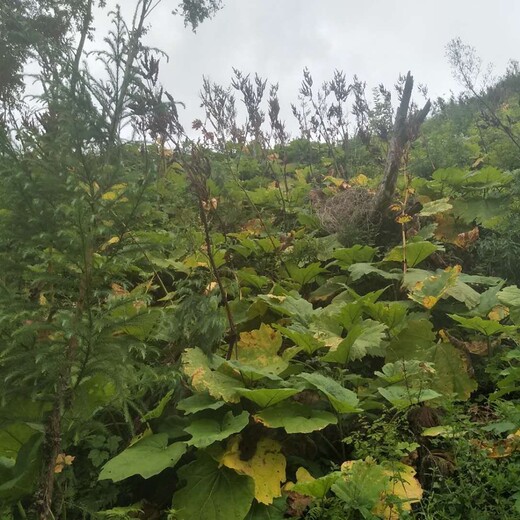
[(406, 487), (259, 349), (266, 467)]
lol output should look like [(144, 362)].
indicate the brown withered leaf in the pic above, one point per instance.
[(500, 449), (297, 504), (443, 461), (118, 290), (464, 240), (62, 461)]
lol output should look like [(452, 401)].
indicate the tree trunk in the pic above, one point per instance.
[(406, 129)]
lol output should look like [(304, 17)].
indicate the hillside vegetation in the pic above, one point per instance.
[(220, 324)]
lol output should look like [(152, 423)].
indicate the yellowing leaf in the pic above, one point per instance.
[(403, 219), (62, 461), (118, 290), (109, 195), (266, 467), (109, 242), (359, 180), (334, 180), (302, 475), (404, 486), (502, 448), (464, 240), (498, 313), (429, 301), (197, 367), (253, 227), (390, 488), (259, 349)]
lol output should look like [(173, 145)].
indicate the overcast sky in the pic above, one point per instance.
[(375, 39)]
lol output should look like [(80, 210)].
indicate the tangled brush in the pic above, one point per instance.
[(349, 213)]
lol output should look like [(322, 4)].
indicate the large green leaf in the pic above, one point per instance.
[(295, 418), (19, 480), (212, 492), (345, 257), (462, 292), (358, 271), (486, 327), (14, 436), (451, 372), (363, 339), (301, 336), (350, 314), (317, 488), (198, 402), (510, 296), (291, 305), (415, 252), (20, 420), (274, 511), (403, 397), (248, 276), (342, 399), (434, 207), (265, 397), (412, 341), (303, 275), (486, 211), (205, 432), (429, 290), (417, 342), (392, 314), (448, 176), (488, 177), (204, 378), (402, 371), (147, 458)]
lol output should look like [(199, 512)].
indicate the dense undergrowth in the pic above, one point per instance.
[(220, 329)]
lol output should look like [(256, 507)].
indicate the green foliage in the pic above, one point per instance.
[(147, 458), (212, 493), (178, 330)]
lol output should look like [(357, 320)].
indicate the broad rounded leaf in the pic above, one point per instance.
[(403, 397), (361, 269), (317, 488), (363, 339), (265, 397), (415, 253), (435, 206), (197, 367), (276, 511), (295, 418), (342, 399), (198, 402), (452, 378), (147, 458), (510, 296), (207, 431), (212, 492), (486, 327)]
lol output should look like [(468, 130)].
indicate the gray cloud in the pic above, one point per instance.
[(375, 39)]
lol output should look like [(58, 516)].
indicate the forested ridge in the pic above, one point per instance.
[(222, 321)]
